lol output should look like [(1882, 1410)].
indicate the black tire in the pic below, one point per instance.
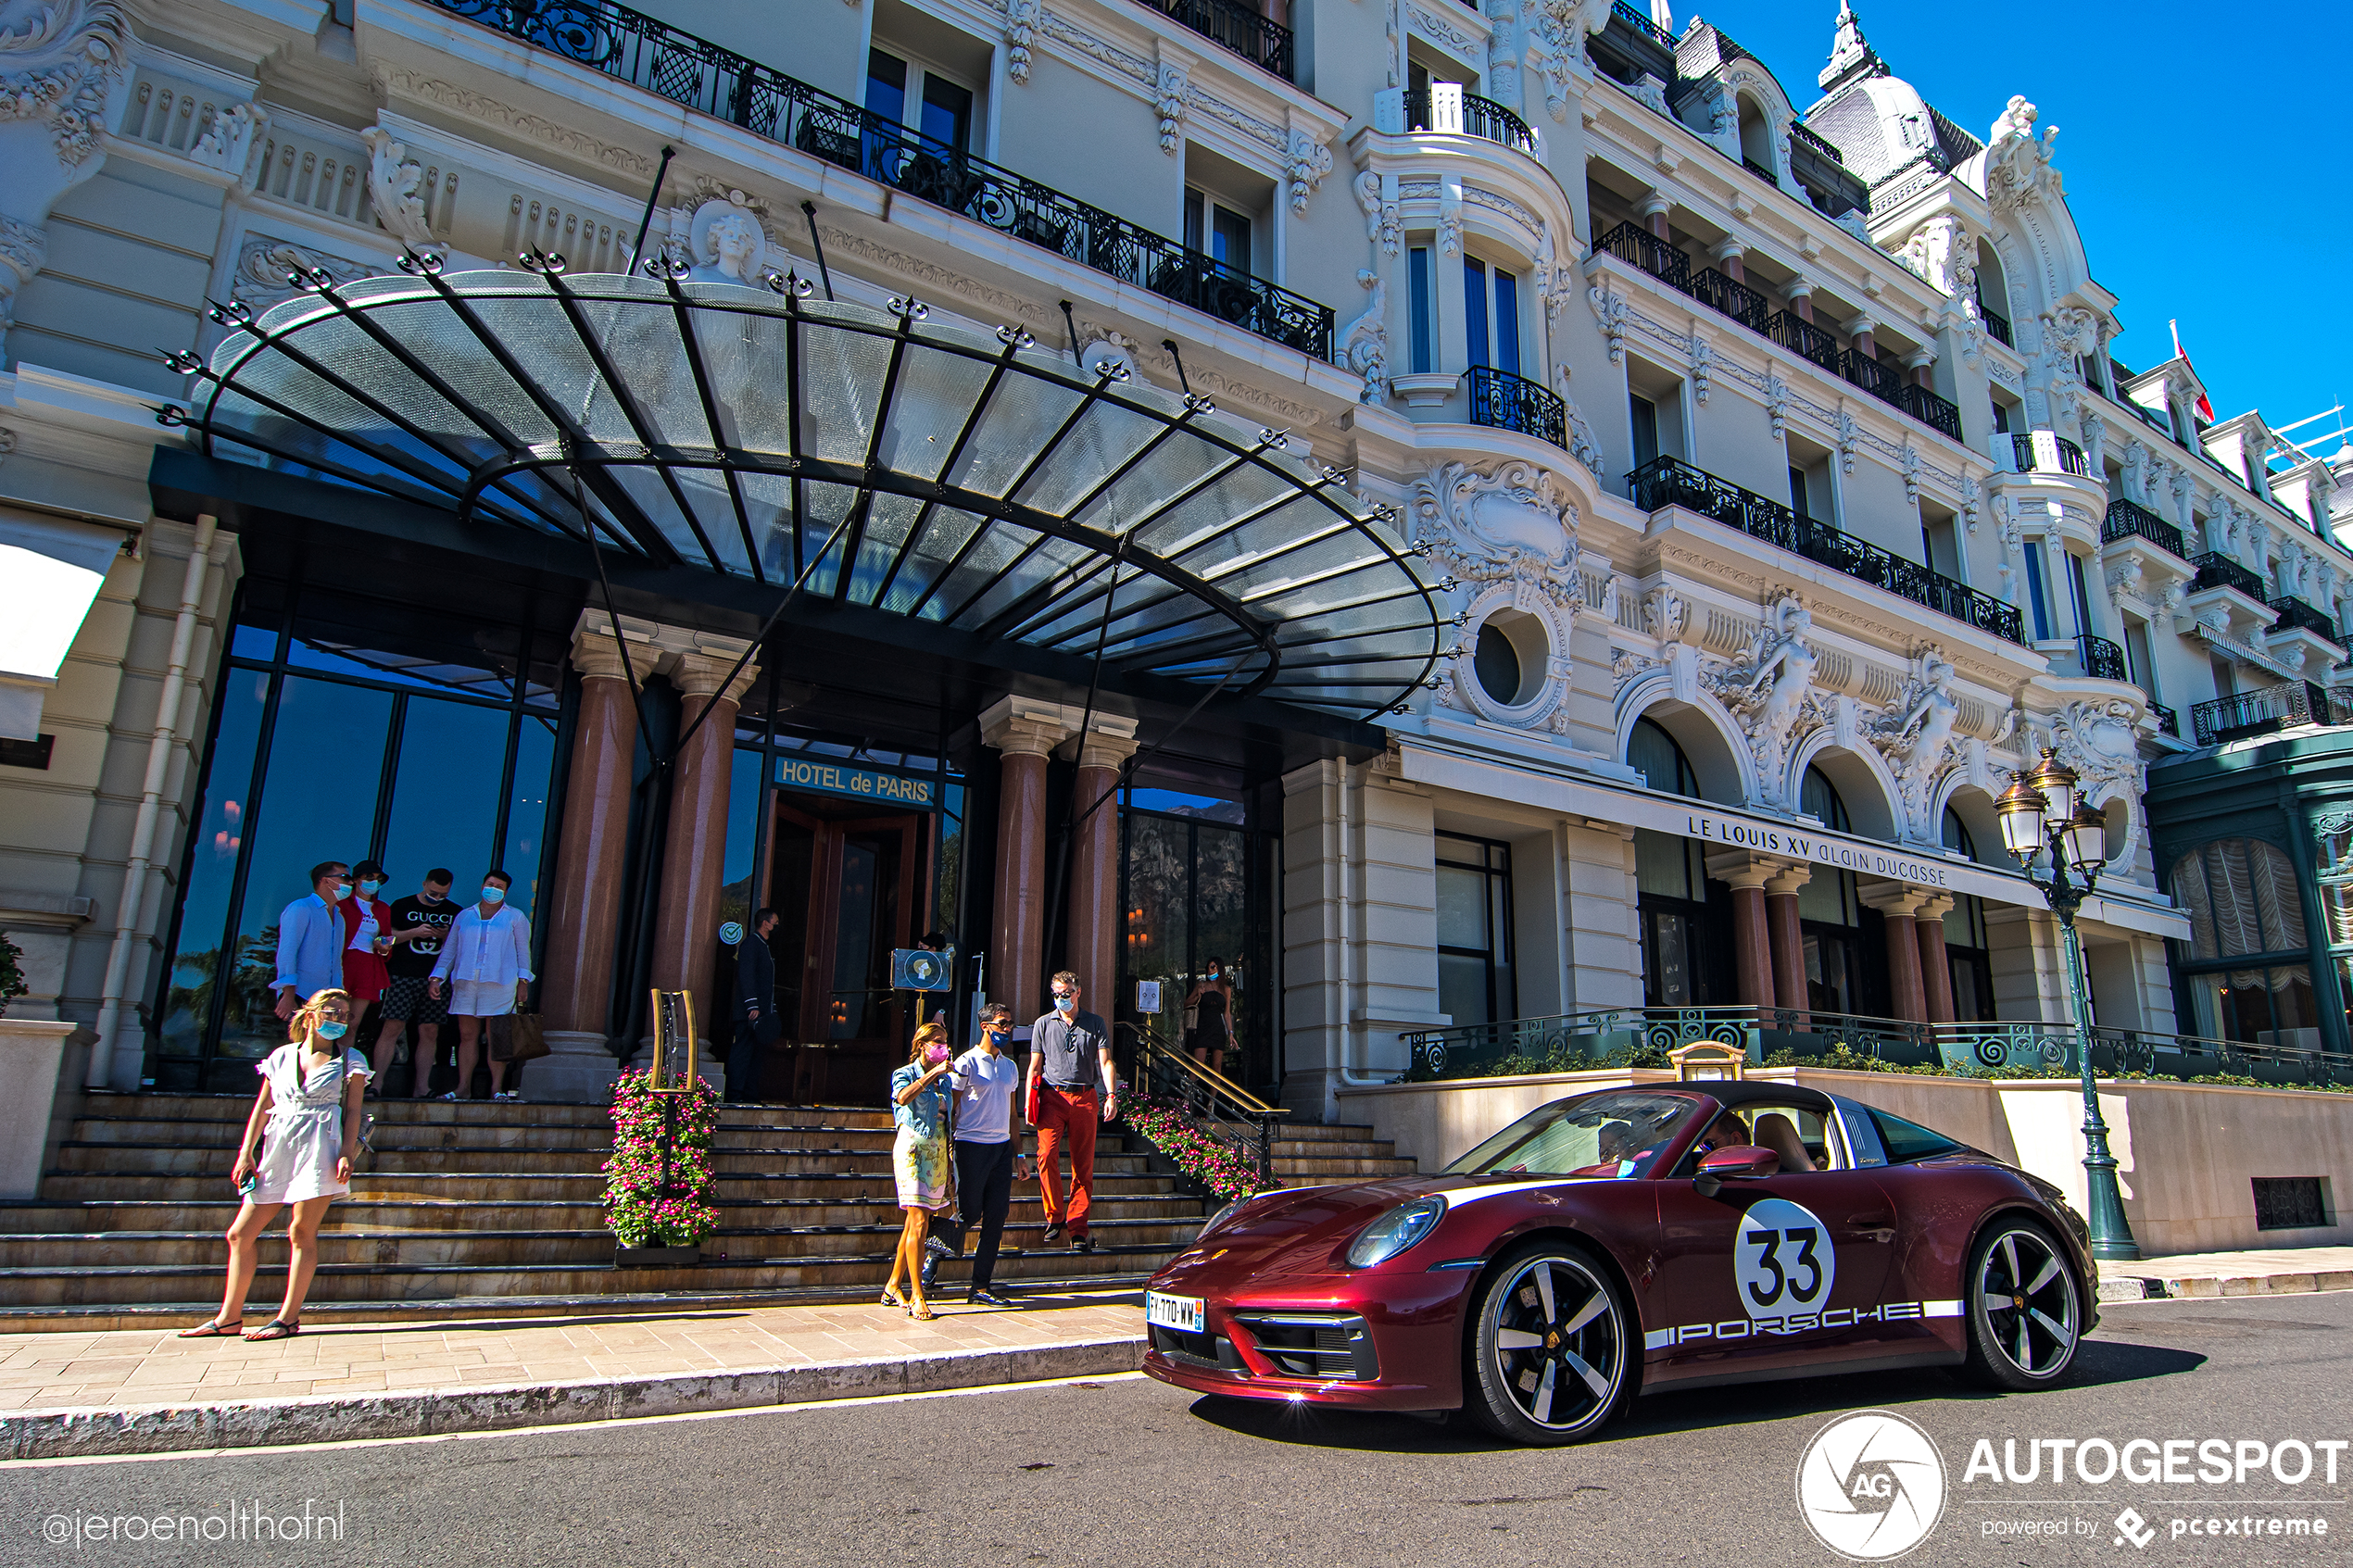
[(2024, 1308), (1553, 1350)]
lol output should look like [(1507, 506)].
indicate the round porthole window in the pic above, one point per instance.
[(1496, 663)]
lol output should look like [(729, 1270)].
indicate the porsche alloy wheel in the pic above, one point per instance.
[(2024, 1316), (1550, 1358)]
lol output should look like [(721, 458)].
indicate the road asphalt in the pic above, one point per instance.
[(1124, 1471)]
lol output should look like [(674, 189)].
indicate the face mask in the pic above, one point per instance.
[(935, 1055), (1065, 1004), (343, 891), (369, 888), (494, 894), (332, 1030), (426, 895)]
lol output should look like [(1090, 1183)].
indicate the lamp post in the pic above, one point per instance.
[(2042, 812)]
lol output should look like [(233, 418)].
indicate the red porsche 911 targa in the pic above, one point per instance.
[(1630, 1241)]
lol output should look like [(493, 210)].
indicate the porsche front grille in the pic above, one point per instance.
[(1325, 1345)]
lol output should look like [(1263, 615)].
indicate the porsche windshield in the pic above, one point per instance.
[(1618, 1133)]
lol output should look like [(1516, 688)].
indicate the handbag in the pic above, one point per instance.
[(520, 1039)]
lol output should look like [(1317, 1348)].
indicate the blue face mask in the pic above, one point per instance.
[(1065, 1004), (343, 891), (331, 1031), (494, 894), (369, 888)]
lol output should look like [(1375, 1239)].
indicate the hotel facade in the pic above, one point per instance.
[(1464, 515)]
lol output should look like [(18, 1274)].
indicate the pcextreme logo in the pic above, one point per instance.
[(1871, 1485)]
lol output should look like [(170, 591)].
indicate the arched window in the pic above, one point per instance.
[(2245, 907), (1956, 834), (1756, 138), (1817, 796), (1653, 751)]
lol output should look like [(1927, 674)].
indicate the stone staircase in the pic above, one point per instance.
[(495, 1209)]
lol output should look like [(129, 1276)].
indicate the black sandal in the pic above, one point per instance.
[(213, 1329), (276, 1328)]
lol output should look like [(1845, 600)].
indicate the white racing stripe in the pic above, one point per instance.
[(1456, 1199)]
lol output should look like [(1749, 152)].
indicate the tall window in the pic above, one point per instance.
[(1198, 879), (2138, 657), (1491, 310), (1678, 928), (937, 108), (1644, 415), (1422, 318), (1829, 915), (2038, 592), (1474, 983), (1217, 230), (2083, 597), (1966, 953), (2247, 969), (1797, 502)]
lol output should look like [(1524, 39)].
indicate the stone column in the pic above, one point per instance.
[(1752, 949), (1859, 331), (1921, 361), (1655, 209), (1789, 941), (1900, 905), (1800, 299), (1093, 940), (1936, 974), (1023, 733), (592, 845), (695, 849), (1729, 260)]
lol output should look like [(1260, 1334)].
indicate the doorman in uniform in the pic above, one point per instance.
[(758, 1023)]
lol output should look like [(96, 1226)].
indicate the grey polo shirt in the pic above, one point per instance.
[(1072, 1051)]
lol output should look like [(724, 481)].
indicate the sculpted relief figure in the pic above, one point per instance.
[(392, 189), (1916, 737), (1769, 690)]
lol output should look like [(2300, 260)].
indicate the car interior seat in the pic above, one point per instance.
[(1775, 1132)]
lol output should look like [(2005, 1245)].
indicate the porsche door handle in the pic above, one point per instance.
[(1879, 1226)]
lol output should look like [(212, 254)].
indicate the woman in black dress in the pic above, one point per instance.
[(1212, 1001)]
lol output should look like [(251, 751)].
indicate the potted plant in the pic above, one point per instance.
[(657, 1182)]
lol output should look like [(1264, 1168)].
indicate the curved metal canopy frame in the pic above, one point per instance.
[(876, 459)]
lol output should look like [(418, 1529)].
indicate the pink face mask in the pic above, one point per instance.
[(935, 1055)]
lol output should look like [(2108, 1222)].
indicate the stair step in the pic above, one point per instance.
[(475, 1187), (210, 1216)]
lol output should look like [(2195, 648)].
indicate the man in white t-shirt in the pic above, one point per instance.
[(986, 1141)]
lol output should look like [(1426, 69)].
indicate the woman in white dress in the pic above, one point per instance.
[(307, 1114)]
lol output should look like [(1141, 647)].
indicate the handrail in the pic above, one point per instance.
[(651, 54), (1217, 1106)]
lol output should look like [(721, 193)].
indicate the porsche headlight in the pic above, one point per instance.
[(1395, 1231), (1221, 1217)]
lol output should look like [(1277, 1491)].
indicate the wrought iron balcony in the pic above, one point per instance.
[(1804, 339), (1631, 242), (1759, 171), (2215, 569), (1641, 23), (1739, 301), (2168, 722), (2042, 452), (1670, 481), (2296, 612), (1505, 401), (1940, 414), (2099, 659), (1995, 322), (1236, 27), (1870, 375), (2260, 713), (1482, 118), (2131, 519), (654, 56), (1798, 132)]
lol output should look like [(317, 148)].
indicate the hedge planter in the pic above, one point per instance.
[(658, 1182)]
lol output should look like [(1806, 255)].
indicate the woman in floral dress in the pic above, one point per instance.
[(919, 1101)]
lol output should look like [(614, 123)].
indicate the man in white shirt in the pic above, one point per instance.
[(487, 964), (986, 1142)]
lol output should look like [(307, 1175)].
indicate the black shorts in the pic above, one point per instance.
[(406, 1000)]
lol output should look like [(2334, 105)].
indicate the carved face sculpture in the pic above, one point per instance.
[(735, 245)]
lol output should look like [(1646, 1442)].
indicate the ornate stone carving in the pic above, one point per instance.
[(2097, 740), (1911, 455), (579, 144), (1308, 161), (1769, 690), (1550, 276), (1972, 500), (1702, 360), (264, 261), (1383, 221), (1777, 403), (1558, 29), (1168, 97), (726, 241), (1609, 310), (1364, 343), (1626, 667), (1506, 48), (1510, 537), (1916, 737), (1021, 34), (227, 143), (1449, 216), (1848, 431), (2018, 161), (7, 442), (1584, 444), (59, 65), (392, 189)]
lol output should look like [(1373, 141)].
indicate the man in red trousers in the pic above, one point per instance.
[(1071, 1091)]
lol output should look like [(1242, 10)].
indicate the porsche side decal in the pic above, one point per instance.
[(1837, 1319)]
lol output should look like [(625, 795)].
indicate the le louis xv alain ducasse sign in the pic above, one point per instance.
[(1739, 833)]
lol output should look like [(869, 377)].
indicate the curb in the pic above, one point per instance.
[(330, 1418), (2156, 1288)]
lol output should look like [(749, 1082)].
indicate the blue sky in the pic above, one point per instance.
[(2204, 152)]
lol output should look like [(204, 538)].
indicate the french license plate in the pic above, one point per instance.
[(1184, 1313)]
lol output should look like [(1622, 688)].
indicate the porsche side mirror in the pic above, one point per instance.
[(1739, 1163)]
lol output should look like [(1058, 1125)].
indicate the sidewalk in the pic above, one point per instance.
[(143, 1391), (2283, 1272)]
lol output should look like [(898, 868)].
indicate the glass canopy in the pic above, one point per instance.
[(928, 471)]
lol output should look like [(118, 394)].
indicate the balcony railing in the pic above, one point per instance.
[(2215, 569), (1632, 242), (1760, 170), (2296, 612), (1798, 132), (1726, 297), (1236, 27), (1505, 401), (2168, 722), (1940, 414), (2129, 518), (2040, 451), (1641, 23), (1870, 375), (2260, 711), (1804, 339), (1482, 118), (1671, 482), (656, 57), (1995, 322), (2099, 659)]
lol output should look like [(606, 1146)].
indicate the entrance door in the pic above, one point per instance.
[(845, 891)]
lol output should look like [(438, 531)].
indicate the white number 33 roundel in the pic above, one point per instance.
[(1781, 1260)]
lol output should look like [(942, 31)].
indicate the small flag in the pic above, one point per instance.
[(2205, 409)]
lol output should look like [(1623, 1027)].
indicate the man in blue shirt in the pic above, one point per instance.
[(310, 938), (985, 1080)]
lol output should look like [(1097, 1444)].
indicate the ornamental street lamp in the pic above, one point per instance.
[(2042, 812)]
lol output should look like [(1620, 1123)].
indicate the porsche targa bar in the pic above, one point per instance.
[(1628, 1241)]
